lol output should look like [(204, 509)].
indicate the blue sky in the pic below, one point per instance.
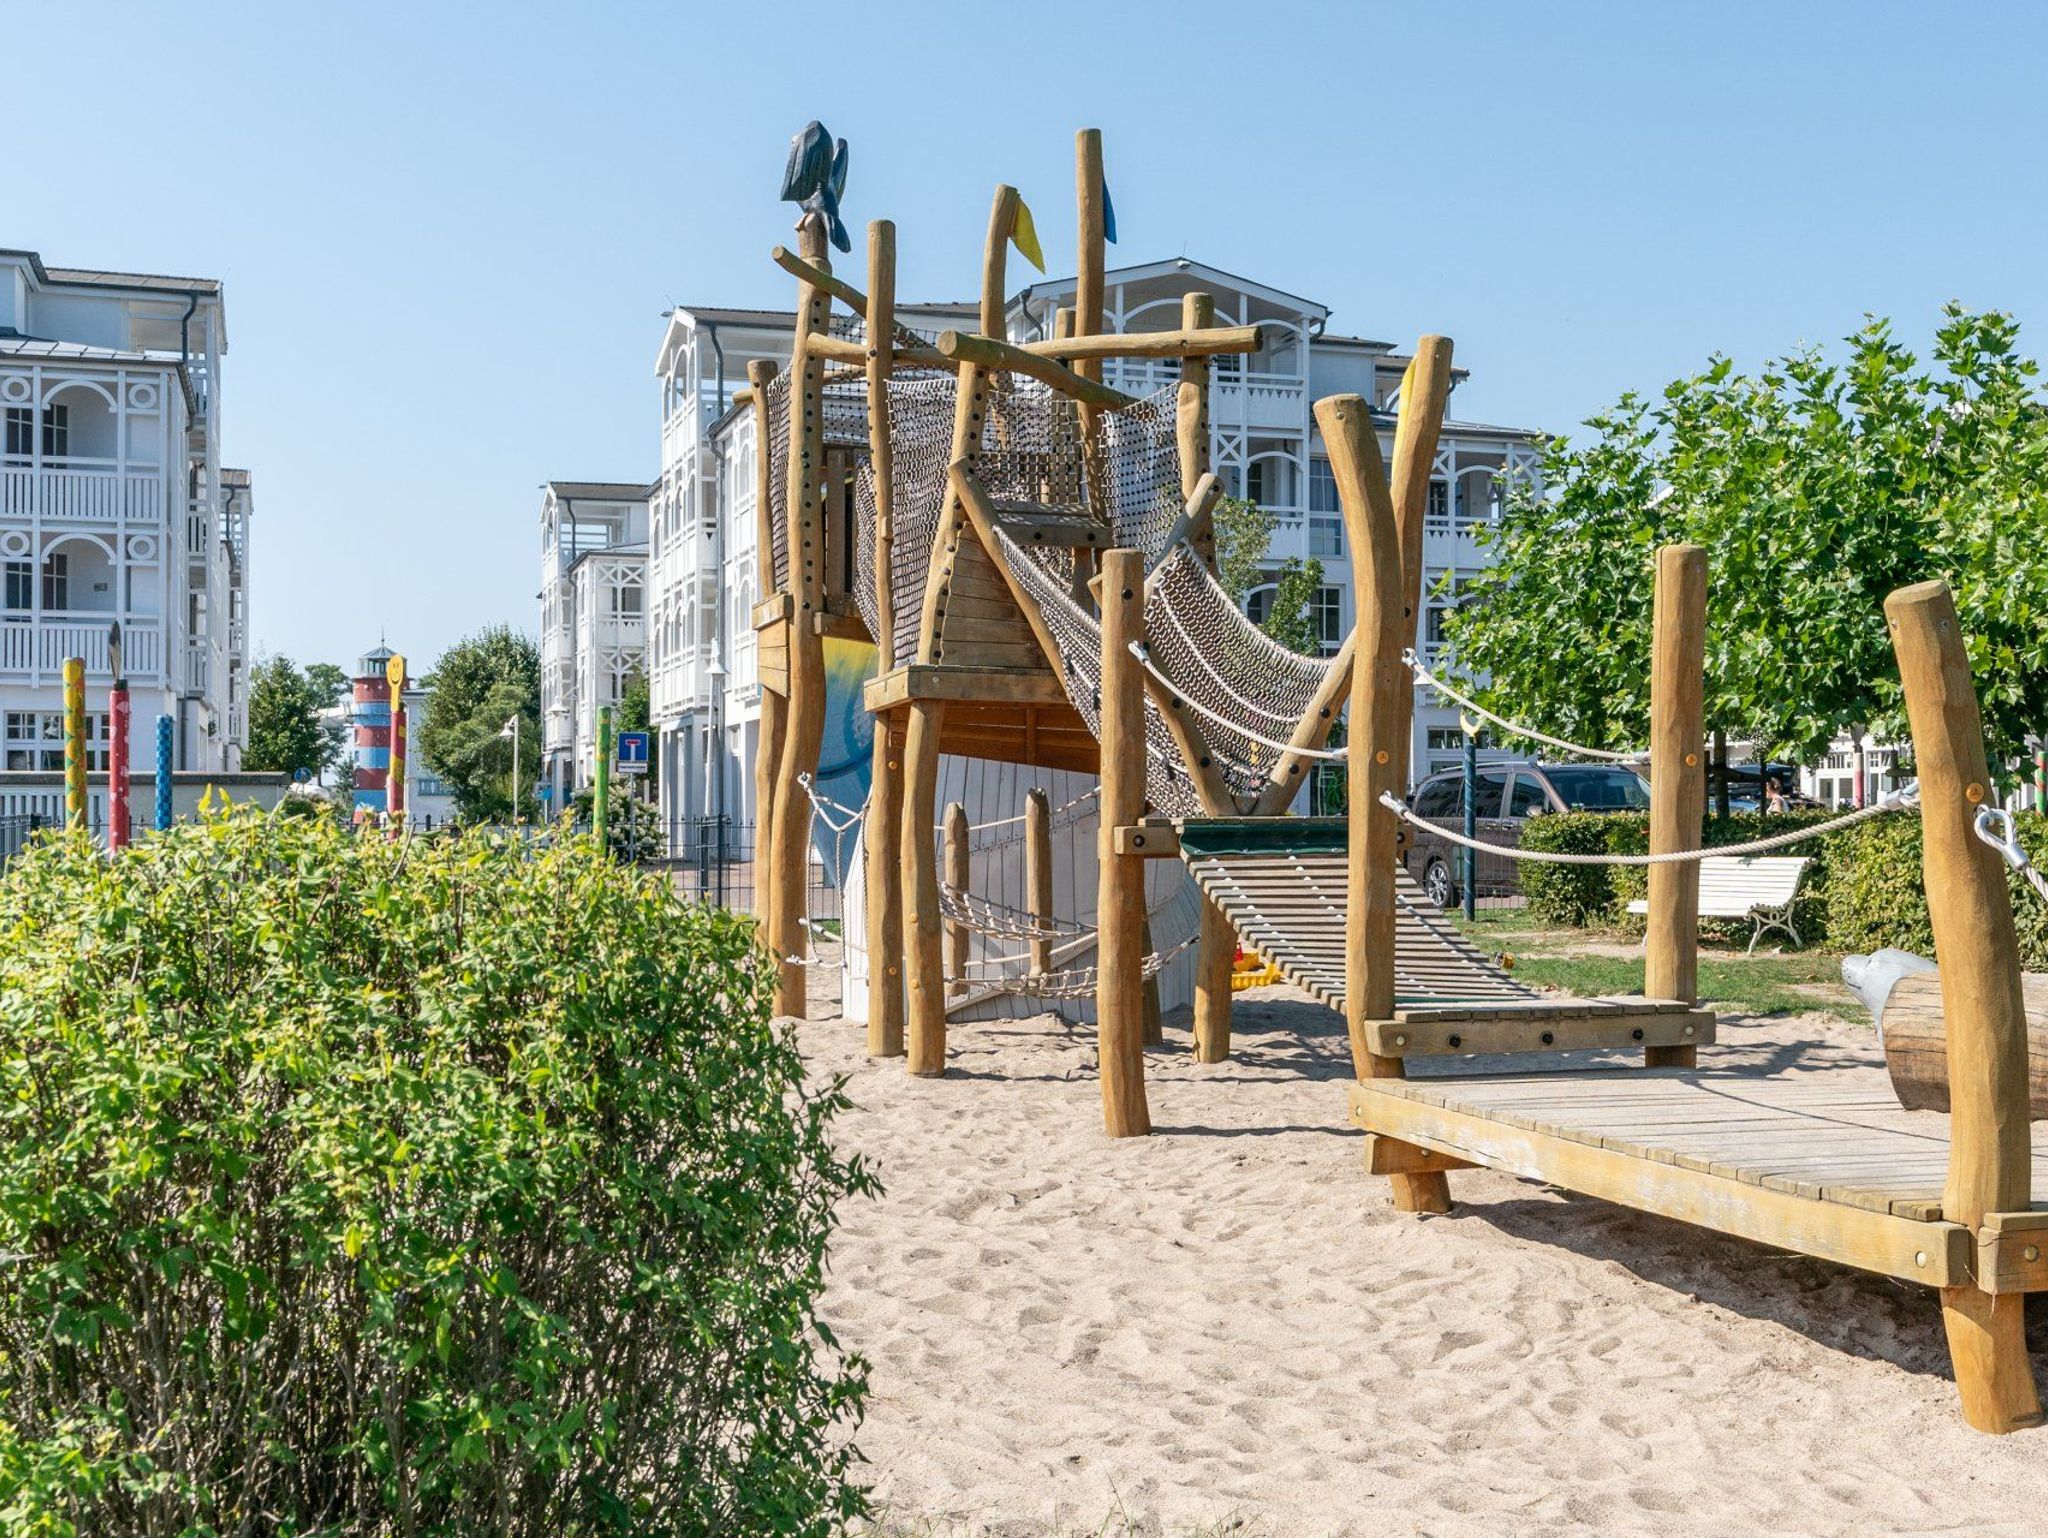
[(448, 233)]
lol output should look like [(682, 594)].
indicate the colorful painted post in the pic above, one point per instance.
[(118, 829), (74, 742), (394, 674), (164, 730), (601, 787)]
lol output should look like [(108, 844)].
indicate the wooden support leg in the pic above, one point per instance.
[(1678, 784), (923, 931), (1987, 1342), (1155, 1020), (958, 875), (1215, 959), (767, 765), (881, 844), (1038, 873), (1120, 879)]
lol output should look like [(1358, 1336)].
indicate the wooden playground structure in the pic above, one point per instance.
[(1031, 553)]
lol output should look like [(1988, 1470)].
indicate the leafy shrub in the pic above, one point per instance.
[(1875, 897), (351, 1187), (632, 826), (1569, 894)]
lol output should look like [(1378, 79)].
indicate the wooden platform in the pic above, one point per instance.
[(1823, 1163)]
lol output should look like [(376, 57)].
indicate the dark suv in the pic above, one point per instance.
[(1507, 795)]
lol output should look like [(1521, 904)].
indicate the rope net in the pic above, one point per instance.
[(920, 405)]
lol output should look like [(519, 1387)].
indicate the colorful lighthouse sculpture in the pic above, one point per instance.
[(371, 715)]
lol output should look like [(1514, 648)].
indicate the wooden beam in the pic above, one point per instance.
[(958, 875), (1038, 873), (1678, 783), (1284, 782), (1548, 1032), (881, 833), (959, 347), (1390, 1156), (1149, 840), (1989, 1167), (1381, 691), (840, 349), (1188, 342), (1120, 879), (1191, 411), (2012, 1252), (1425, 391), (774, 711), (935, 681), (815, 270), (924, 954)]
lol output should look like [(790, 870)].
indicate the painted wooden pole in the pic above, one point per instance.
[(882, 832), (957, 877), (601, 782), (1989, 1161), (1038, 873), (74, 742), (394, 798), (1678, 783), (1382, 695), (774, 703), (1120, 879), (804, 482), (119, 829), (166, 731)]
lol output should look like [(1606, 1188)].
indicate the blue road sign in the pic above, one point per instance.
[(633, 752)]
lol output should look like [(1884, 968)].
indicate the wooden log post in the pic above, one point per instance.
[(1382, 693), (1120, 879), (959, 872), (790, 844), (1091, 223), (881, 832), (1038, 873), (1989, 1161), (1678, 784), (1425, 391), (774, 704)]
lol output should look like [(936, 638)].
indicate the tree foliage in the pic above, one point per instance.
[(479, 684), (442, 1187), (1292, 619), (1817, 486), (286, 734), (1244, 533)]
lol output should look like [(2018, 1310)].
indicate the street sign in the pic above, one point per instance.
[(633, 752)]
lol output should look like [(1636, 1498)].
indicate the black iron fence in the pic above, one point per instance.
[(709, 858), (15, 832)]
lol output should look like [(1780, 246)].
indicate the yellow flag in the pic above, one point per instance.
[(1024, 236)]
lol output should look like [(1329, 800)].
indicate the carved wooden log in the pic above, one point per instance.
[(1916, 1042)]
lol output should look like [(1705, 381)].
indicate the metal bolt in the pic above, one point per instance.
[(1636, 1034), (1549, 1038), (2031, 1253), (1919, 1257), (1457, 1041), (1688, 1030), (1973, 793), (1400, 1041)]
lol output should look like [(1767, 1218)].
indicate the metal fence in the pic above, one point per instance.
[(709, 858), (15, 832)]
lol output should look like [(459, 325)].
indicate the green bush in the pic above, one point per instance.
[(1570, 894), (351, 1187)]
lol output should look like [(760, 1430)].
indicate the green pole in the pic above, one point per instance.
[(601, 797)]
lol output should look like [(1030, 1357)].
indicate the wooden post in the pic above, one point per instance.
[(118, 830), (958, 875), (803, 734), (1988, 1162), (1120, 879), (923, 943), (1678, 784), (881, 833), (1091, 224), (1038, 873), (1382, 694), (1425, 390), (774, 703), (600, 783)]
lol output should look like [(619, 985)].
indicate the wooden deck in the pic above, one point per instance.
[(1824, 1163)]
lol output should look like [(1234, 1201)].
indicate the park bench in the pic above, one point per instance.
[(1760, 887)]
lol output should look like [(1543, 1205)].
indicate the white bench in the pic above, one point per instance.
[(1760, 887)]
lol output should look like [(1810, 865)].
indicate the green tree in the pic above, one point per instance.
[(635, 714), (1817, 486), (1292, 619), (1244, 533), (286, 734), (329, 681), (479, 684)]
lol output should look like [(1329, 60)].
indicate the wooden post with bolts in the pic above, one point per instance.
[(1038, 873), (958, 874), (882, 832), (1120, 878), (1989, 1165), (774, 701), (1678, 784)]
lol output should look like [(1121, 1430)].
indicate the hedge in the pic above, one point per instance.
[(1861, 892), (438, 1187)]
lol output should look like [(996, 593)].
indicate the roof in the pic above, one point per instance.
[(86, 277), (604, 491), (14, 345), (1054, 287), (781, 318), (635, 552), (1451, 425), (1331, 339)]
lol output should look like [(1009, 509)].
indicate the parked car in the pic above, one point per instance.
[(1507, 796)]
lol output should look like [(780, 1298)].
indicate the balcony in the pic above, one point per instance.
[(35, 652), (82, 495), (1237, 397)]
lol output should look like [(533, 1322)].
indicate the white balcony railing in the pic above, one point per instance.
[(38, 650), (82, 495)]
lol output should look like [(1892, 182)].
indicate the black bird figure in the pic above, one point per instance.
[(815, 178)]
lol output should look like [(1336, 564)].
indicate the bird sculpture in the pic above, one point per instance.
[(815, 178)]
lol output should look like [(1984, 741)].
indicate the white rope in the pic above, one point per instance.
[(2007, 843), (1145, 661), (1229, 689), (1898, 800), (1424, 676), (851, 814), (999, 920)]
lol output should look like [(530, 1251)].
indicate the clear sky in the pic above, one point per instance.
[(448, 233)]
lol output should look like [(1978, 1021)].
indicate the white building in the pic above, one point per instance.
[(706, 694), (114, 506), (593, 631)]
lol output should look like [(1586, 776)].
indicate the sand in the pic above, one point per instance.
[(1225, 1327)]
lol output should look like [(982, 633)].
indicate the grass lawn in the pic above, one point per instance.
[(1593, 961)]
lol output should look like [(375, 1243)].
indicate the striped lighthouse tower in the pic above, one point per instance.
[(371, 715)]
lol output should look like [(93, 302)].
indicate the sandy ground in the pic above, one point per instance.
[(1225, 1327)]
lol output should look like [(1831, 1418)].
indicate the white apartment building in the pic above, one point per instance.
[(114, 506), (593, 576), (1263, 442)]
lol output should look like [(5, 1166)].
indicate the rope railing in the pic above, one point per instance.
[(1144, 656), (1513, 729), (1000, 921), (1903, 799)]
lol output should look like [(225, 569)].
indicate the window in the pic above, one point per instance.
[(626, 599), (1493, 785), (1451, 739), (1439, 508), (1328, 611), (1585, 788), (57, 581), (1322, 486), (1325, 537), (20, 588), (1528, 799), (21, 432), (35, 740), (1258, 604), (1442, 797), (1256, 481)]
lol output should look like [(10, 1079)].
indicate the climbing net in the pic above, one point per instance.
[(1178, 914), (920, 405)]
